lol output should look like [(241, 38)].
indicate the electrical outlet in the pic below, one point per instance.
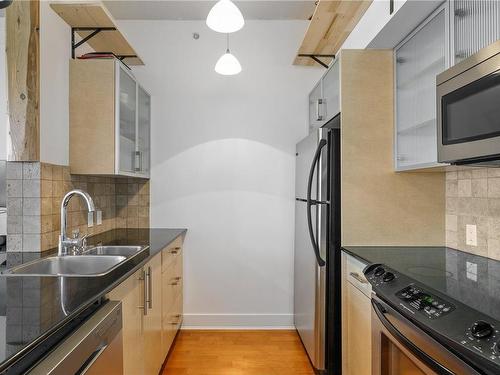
[(471, 235), (90, 219), (98, 218), (471, 271)]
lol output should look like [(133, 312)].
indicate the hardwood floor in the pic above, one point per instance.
[(238, 353)]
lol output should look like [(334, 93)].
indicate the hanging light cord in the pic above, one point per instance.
[(227, 43)]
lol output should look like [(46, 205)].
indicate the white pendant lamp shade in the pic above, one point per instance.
[(228, 65), (225, 17)]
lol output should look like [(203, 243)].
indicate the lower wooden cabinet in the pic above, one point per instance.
[(356, 319), (130, 293), (152, 311), (153, 355), (172, 277)]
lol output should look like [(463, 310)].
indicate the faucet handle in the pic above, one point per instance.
[(83, 241)]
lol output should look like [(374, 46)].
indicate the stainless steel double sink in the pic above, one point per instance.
[(93, 262)]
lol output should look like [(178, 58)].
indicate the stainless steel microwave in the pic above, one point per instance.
[(468, 110)]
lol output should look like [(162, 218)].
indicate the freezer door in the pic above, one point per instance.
[(309, 274)]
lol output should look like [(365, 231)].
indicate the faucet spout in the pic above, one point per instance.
[(64, 241)]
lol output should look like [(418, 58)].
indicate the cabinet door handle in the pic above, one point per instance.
[(146, 288), (150, 287), (138, 161), (356, 276), (319, 116)]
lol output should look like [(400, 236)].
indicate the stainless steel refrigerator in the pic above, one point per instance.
[(317, 247)]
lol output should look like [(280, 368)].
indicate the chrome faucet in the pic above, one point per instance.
[(64, 241)]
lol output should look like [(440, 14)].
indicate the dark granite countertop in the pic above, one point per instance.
[(470, 279), (36, 312)]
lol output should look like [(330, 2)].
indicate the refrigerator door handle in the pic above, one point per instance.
[(311, 202)]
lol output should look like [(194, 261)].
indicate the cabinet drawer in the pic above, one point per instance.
[(171, 323), (171, 253), (356, 277), (172, 287)]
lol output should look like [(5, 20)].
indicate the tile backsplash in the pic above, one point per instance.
[(473, 198), (34, 195)]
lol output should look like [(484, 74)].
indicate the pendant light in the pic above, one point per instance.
[(228, 64), (225, 17)]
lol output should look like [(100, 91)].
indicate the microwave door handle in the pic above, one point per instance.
[(424, 357), (311, 202)]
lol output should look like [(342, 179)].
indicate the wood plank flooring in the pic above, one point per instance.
[(238, 353)]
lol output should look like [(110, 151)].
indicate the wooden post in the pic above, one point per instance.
[(23, 74)]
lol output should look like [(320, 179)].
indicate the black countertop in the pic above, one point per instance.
[(470, 279), (37, 311)]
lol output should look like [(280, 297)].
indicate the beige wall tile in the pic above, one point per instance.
[(494, 187), (493, 172), (124, 203), (46, 171), (464, 174), (15, 206), (480, 188), (14, 188), (465, 188), (480, 173), (31, 171), (451, 188)]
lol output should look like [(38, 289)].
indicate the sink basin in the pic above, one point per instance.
[(69, 265), (126, 251)]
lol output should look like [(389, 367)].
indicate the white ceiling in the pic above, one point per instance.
[(198, 10)]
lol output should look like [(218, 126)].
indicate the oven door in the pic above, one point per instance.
[(467, 112), (401, 348)]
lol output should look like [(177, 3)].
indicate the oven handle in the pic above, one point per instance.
[(424, 357)]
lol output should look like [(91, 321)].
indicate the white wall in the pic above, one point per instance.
[(224, 162), (3, 91)]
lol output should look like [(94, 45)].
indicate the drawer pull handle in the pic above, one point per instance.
[(356, 276), (176, 280), (175, 250)]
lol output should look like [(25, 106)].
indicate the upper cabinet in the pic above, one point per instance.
[(455, 31), (110, 120), (316, 117), (324, 99), (418, 60), (475, 24)]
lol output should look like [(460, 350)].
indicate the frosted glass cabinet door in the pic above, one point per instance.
[(316, 108), (418, 60), (331, 91), (127, 107), (476, 24), (144, 130)]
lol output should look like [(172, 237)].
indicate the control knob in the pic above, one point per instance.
[(389, 276), (481, 329), (379, 271)]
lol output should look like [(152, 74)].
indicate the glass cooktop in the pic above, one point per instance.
[(471, 279)]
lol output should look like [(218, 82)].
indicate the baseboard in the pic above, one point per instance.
[(237, 321)]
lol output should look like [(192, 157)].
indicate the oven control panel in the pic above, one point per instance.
[(425, 302), (471, 334)]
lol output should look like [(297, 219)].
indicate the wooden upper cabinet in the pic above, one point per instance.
[(110, 120)]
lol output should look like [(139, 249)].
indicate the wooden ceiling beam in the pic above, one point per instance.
[(331, 24)]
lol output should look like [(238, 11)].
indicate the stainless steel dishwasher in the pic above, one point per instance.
[(94, 348)]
